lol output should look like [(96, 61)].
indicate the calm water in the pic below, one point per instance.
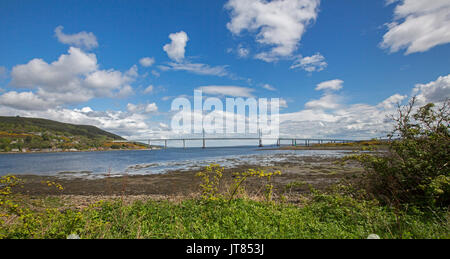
[(97, 164)]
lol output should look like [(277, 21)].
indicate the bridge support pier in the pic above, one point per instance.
[(204, 141), (165, 144), (184, 143)]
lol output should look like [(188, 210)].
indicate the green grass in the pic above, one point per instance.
[(326, 216)]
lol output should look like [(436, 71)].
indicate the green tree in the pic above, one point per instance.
[(415, 170)]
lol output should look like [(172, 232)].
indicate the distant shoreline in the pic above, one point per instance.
[(78, 151), (324, 148)]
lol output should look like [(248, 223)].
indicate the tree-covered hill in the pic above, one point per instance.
[(35, 134), (26, 125)]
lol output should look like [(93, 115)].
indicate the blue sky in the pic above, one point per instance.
[(376, 53)]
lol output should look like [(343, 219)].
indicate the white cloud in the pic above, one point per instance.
[(176, 49), (269, 87), (392, 101), (151, 108), (278, 24), (125, 91), (57, 74), (142, 108), (283, 103), (146, 61), (326, 102), (125, 124), (23, 101), (314, 63), (105, 79), (418, 26), (86, 109), (132, 107), (436, 91), (163, 125), (243, 52), (132, 72), (82, 39), (156, 73), (72, 79), (332, 85), (330, 117), (234, 91), (201, 69), (149, 89)]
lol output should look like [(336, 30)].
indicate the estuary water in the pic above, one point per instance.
[(141, 162)]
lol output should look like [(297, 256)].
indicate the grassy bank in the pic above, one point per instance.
[(214, 212), (324, 216)]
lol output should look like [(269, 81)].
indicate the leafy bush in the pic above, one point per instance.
[(211, 180), (415, 169)]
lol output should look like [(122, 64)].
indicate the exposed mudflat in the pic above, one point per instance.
[(319, 172)]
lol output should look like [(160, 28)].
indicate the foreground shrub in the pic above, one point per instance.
[(415, 169)]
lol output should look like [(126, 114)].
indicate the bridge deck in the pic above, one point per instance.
[(307, 141), (244, 138)]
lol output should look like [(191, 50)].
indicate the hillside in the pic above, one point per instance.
[(20, 134)]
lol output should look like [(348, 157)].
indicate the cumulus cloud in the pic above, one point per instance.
[(82, 39), (125, 91), (146, 61), (23, 101), (330, 117), (148, 89), (392, 101), (37, 72), (126, 124), (233, 91), (142, 108), (240, 51), (278, 24), (176, 51), (73, 78), (176, 48), (326, 102), (435, 91), (243, 52), (418, 26), (332, 85), (314, 63)]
